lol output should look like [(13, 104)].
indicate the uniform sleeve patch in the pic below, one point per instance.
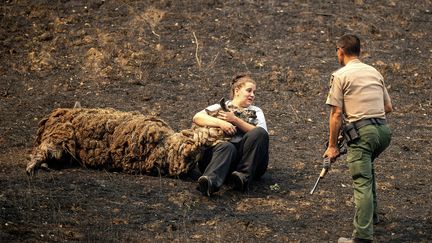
[(331, 80)]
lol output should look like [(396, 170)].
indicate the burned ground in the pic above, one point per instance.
[(173, 58)]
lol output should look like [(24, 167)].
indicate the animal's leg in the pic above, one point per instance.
[(40, 156), (36, 161)]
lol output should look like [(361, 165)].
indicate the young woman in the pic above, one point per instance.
[(245, 156)]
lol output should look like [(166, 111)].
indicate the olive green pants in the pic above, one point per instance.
[(373, 140)]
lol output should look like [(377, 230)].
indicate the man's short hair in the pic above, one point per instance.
[(350, 44)]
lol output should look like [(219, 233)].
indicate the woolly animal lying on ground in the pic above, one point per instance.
[(121, 141), (114, 140)]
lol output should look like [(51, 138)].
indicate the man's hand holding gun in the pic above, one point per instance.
[(330, 156)]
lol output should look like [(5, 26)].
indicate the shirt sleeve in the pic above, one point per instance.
[(214, 107), (335, 96), (261, 119)]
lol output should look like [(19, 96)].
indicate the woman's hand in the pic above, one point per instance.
[(227, 127), (226, 121), (227, 116), (235, 121)]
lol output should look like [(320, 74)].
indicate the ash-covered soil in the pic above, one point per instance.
[(173, 58)]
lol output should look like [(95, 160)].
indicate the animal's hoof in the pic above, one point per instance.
[(44, 166), (30, 170)]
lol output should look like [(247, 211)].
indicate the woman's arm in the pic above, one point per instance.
[(239, 123), (203, 119)]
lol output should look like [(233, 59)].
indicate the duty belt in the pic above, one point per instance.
[(369, 121)]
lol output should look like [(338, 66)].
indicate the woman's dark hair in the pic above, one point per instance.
[(238, 81), (350, 44)]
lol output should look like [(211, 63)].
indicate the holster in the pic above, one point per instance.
[(350, 129), (350, 132)]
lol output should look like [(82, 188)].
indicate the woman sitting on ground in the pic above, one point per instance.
[(245, 156)]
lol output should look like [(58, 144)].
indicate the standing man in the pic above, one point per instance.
[(358, 95)]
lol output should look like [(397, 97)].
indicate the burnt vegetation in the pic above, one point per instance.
[(169, 59)]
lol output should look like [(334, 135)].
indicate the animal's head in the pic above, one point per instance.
[(248, 116)]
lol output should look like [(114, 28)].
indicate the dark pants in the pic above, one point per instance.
[(249, 157)]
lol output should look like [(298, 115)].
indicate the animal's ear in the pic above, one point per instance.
[(212, 113), (77, 105), (223, 104)]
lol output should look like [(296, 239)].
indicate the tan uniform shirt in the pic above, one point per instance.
[(359, 90)]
